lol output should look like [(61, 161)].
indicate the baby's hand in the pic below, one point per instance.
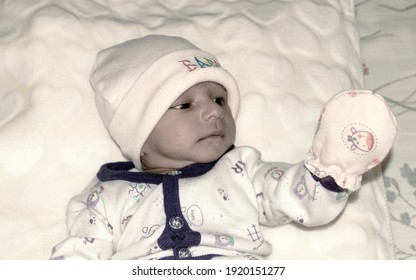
[(355, 133)]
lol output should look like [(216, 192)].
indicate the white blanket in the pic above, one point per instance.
[(288, 57)]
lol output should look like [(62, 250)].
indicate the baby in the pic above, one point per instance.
[(187, 191)]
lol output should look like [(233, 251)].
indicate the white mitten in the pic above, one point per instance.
[(355, 133)]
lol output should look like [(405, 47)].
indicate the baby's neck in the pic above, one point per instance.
[(159, 170)]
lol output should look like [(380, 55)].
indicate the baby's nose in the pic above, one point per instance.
[(212, 111)]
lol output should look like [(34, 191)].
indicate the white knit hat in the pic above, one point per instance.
[(137, 81)]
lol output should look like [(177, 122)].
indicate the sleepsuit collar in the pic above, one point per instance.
[(122, 171)]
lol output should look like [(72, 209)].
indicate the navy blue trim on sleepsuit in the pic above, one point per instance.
[(177, 234), (328, 183), (121, 171)]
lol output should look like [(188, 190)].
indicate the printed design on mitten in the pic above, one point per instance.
[(359, 138)]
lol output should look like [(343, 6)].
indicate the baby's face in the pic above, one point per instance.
[(197, 128)]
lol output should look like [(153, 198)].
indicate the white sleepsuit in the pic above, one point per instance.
[(203, 211)]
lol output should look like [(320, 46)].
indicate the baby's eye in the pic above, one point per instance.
[(220, 101), (181, 106)]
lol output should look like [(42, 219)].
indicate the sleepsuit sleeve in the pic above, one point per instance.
[(288, 192), (89, 232)]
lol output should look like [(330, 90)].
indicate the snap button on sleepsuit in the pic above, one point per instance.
[(176, 222)]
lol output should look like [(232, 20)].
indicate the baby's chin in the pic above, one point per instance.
[(213, 154)]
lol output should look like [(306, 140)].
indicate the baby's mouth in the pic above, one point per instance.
[(213, 134)]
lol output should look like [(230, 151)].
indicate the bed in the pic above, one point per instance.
[(289, 57), (388, 47)]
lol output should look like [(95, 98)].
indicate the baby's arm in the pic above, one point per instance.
[(290, 193), (89, 232), (355, 133)]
